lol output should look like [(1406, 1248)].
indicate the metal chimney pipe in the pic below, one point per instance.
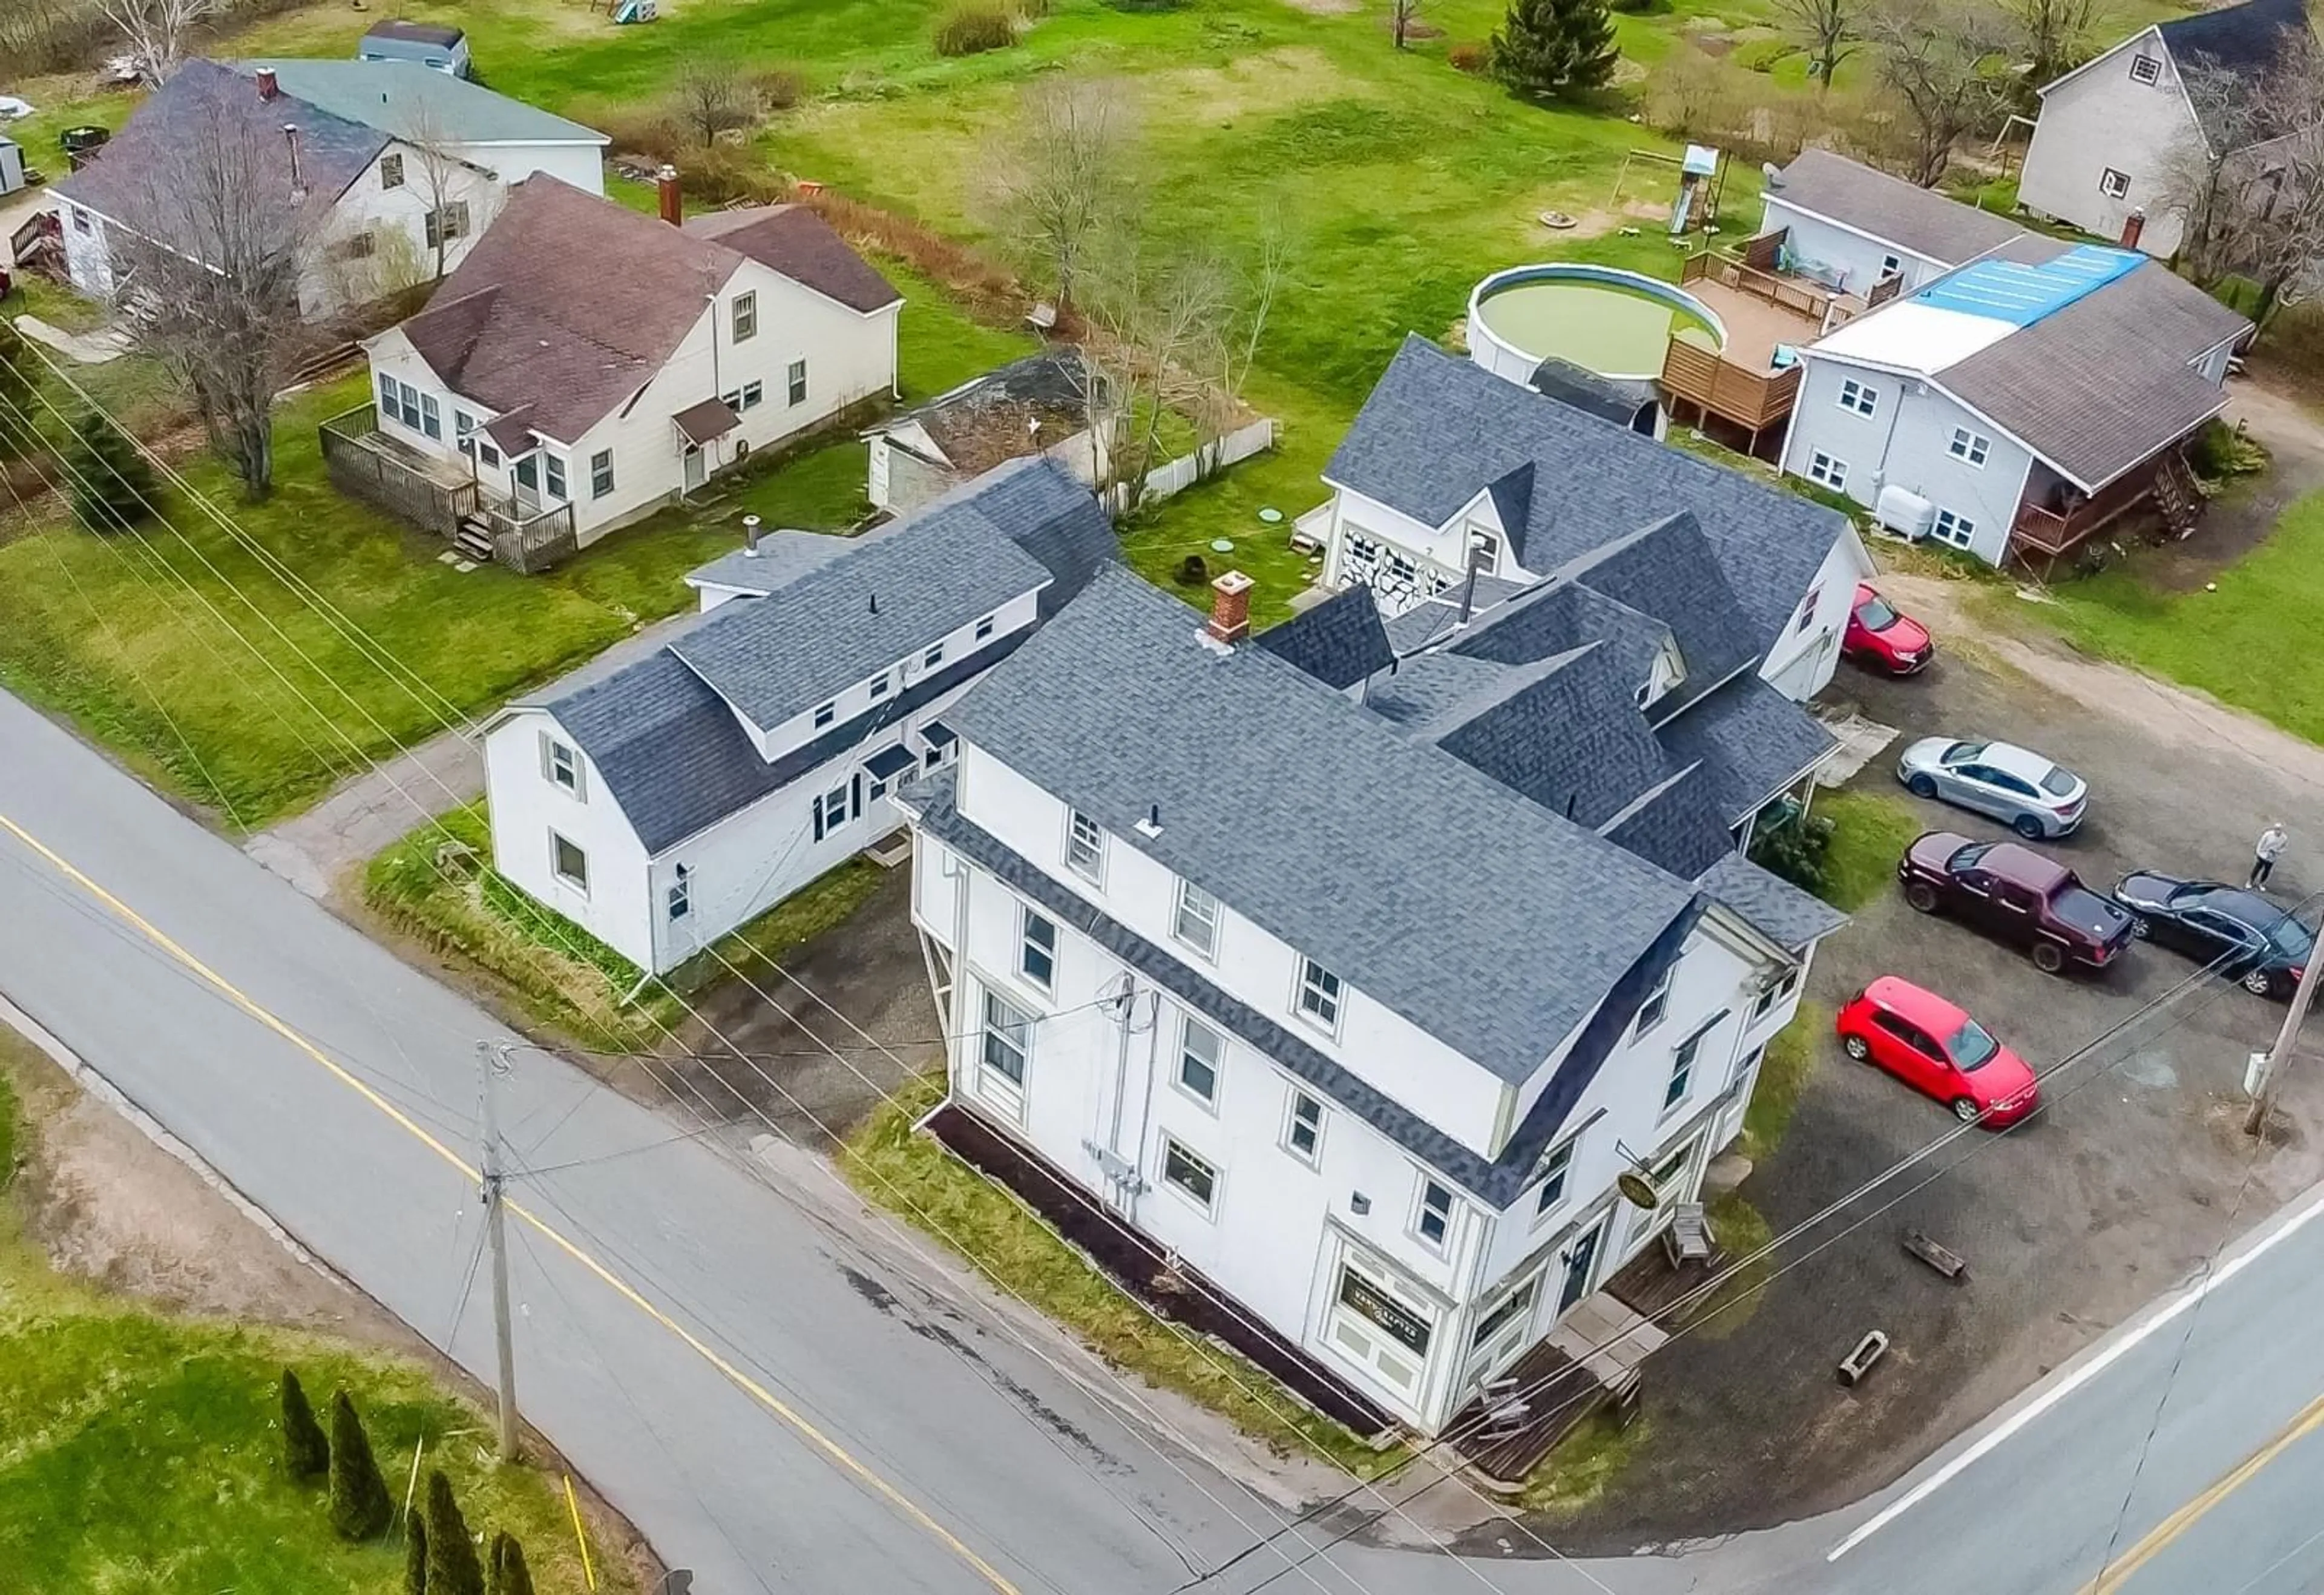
[(750, 537)]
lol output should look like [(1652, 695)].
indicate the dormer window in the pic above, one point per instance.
[(1320, 992), (824, 714), (933, 658), (1084, 846), (879, 684)]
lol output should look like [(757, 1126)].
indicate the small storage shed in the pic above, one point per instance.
[(11, 165), (429, 44)]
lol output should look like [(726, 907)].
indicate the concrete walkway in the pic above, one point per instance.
[(89, 348), (365, 814)]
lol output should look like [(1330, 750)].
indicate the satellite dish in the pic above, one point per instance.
[(1638, 1190)]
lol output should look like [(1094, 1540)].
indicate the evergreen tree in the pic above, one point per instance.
[(510, 1574), (452, 1565), (305, 1452), (16, 401), (360, 1506), (1555, 46), (415, 1556), (112, 484)]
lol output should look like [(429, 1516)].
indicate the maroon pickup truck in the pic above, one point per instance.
[(2015, 895)]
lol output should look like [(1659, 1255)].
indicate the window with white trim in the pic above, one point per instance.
[(390, 171), (1432, 1217), (1199, 1051), (1303, 1128), (2114, 184), (1808, 609), (1195, 921), (795, 379), (1657, 1002), (1037, 950), (746, 316), (880, 683), (680, 896), (1085, 845), (447, 222), (1827, 471), (1891, 266), (1319, 994), (1860, 398), (1190, 1174), (1778, 989), (1956, 530), (2145, 69), (1747, 1063), (1972, 447), (561, 765), (834, 809), (1555, 1169), (1682, 1074), (932, 658), (552, 472), (824, 714), (601, 473), (1008, 1039), (984, 627), (568, 863)]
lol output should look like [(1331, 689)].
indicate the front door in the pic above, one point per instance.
[(528, 483), (1581, 1264), (696, 468)]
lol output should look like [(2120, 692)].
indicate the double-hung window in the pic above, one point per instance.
[(1320, 992), (984, 627), (1196, 920), (552, 474), (601, 473), (1958, 530), (1972, 447), (1651, 1011), (1778, 989), (1085, 845), (561, 765), (1199, 1051), (824, 714), (834, 809), (881, 684), (680, 896), (1860, 398), (796, 378), (1682, 1074), (1037, 951), (1008, 1039), (1827, 472), (390, 171), (1195, 1176), (746, 316), (1554, 1170), (1432, 1220), (568, 863), (932, 658), (1303, 1129)]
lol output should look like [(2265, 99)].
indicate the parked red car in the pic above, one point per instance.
[(2015, 895), (1939, 1050), (1878, 635)]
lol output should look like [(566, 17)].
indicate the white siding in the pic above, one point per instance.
[(581, 164), (1831, 251), (396, 220), (526, 807), (1800, 661), (2101, 118)]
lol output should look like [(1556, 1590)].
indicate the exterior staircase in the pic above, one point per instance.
[(473, 540), (2177, 499)]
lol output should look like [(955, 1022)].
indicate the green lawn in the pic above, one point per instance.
[(141, 1452), (1870, 831), (2246, 644)]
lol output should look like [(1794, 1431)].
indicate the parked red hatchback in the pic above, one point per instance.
[(1939, 1050), (1882, 636)]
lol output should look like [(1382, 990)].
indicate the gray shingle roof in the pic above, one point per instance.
[(191, 107), (1294, 805), (1749, 740), (1339, 641), (414, 102), (800, 244), (782, 557), (2250, 40), (670, 748), (1666, 570), (1435, 618), (1923, 222), (1677, 825), (2101, 384), (1437, 430), (1779, 910), (1565, 733)]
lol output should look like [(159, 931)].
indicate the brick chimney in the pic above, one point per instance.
[(267, 87), (2132, 226), (673, 204), (1229, 608)]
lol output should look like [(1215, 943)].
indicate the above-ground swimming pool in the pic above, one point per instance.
[(1613, 322)]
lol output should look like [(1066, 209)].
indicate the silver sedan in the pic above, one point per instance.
[(2023, 790)]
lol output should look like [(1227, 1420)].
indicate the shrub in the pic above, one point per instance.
[(452, 1565), (971, 30), (415, 1556), (305, 1451), (113, 484), (510, 1574), (646, 130), (2221, 451), (360, 1506), (1194, 571), (779, 88), (1555, 46), (1468, 56), (1795, 849), (16, 391), (1760, 55), (1639, 7)]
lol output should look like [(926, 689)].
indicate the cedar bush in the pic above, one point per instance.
[(415, 1556), (1547, 48), (17, 403), (305, 1450), (971, 30), (510, 1574), (452, 1565), (113, 484), (360, 1506)]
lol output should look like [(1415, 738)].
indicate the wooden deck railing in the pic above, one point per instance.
[(2045, 531), (1751, 399), (530, 540), (364, 464), (1795, 294)]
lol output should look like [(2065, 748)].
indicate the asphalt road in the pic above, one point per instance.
[(780, 1401)]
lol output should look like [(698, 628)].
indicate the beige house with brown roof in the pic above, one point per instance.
[(586, 365)]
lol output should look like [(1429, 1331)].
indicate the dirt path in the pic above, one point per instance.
[(2241, 520)]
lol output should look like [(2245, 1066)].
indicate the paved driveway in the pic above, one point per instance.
[(2128, 1183)]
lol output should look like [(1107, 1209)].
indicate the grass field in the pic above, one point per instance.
[(142, 1451)]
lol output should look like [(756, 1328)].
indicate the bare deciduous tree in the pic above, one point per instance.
[(1067, 175), (157, 32), (1400, 16), (2247, 181), (207, 260), (438, 175), (1946, 63), (2057, 34), (712, 95), (1826, 29)]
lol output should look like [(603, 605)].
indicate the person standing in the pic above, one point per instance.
[(2266, 851)]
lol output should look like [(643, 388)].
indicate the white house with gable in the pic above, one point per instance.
[(1853, 228), (1364, 1086), (666, 803), (398, 158), (588, 360)]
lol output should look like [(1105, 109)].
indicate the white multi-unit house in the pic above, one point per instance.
[(2017, 405), (1852, 228), (1448, 469), (662, 804), (1348, 975), (590, 360), (2110, 130), (400, 161)]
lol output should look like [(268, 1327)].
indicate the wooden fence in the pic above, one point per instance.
[(361, 465)]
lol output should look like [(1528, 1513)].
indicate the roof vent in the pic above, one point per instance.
[(750, 537), (1151, 824)]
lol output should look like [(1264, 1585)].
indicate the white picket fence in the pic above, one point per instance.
[(1187, 469)]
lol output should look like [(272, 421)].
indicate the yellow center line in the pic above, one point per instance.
[(2118, 1573), (807, 1431)]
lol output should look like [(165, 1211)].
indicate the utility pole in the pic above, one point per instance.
[(493, 1058), (2272, 1062)]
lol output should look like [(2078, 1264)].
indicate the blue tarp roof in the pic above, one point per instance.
[(2021, 295)]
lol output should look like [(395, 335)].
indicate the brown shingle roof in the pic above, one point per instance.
[(802, 247), (1889, 208), (568, 303)]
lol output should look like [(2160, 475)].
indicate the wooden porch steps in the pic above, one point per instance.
[(474, 540), (2176, 497)]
